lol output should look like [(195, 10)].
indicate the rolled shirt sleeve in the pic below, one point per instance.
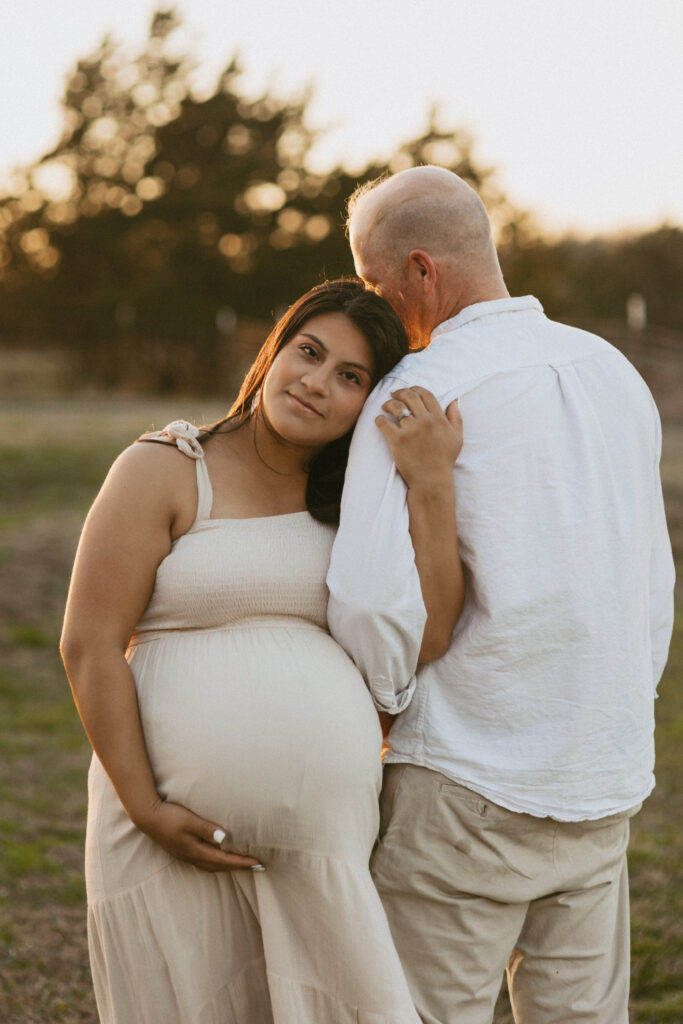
[(375, 610)]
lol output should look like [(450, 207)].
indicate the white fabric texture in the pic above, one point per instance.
[(256, 719), (544, 701)]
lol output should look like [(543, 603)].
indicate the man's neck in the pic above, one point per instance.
[(470, 298)]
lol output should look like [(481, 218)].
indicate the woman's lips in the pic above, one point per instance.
[(305, 405)]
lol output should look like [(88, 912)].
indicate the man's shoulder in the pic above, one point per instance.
[(464, 358), (578, 343), (417, 368), (425, 367)]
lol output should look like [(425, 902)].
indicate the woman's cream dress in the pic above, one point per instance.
[(255, 718)]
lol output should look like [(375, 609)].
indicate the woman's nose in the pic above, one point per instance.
[(316, 379)]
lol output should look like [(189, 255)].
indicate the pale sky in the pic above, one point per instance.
[(577, 103)]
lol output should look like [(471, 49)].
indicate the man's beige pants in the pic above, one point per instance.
[(472, 889)]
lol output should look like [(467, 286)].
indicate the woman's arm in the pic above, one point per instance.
[(128, 532), (425, 446)]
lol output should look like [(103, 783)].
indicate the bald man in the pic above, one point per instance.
[(518, 756)]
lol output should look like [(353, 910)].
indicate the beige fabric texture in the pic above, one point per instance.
[(255, 718), (471, 888)]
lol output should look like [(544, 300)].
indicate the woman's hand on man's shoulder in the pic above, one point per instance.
[(425, 440)]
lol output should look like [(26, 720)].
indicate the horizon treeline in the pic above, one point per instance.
[(164, 222)]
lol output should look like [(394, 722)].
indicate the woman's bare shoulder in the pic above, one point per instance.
[(155, 456), (152, 472)]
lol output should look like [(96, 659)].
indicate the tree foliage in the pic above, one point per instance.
[(162, 218), (589, 279)]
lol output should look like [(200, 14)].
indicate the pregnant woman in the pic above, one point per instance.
[(233, 790)]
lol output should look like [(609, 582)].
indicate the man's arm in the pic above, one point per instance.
[(424, 447), (376, 608)]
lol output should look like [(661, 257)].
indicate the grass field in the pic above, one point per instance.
[(53, 454)]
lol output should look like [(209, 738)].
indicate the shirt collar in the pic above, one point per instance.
[(480, 309)]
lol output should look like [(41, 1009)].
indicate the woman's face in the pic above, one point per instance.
[(318, 382)]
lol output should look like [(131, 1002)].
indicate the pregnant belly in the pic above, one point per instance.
[(269, 731)]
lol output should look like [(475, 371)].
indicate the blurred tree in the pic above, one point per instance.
[(591, 279), (162, 223), (163, 220)]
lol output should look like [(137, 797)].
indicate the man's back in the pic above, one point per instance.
[(543, 702)]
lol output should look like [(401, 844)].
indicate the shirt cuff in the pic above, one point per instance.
[(385, 697)]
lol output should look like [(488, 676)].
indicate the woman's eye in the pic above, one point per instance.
[(351, 376), (309, 350)]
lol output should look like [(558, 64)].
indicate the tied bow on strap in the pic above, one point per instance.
[(185, 436)]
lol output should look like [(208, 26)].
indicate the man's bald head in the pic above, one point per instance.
[(422, 239), (426, 208)]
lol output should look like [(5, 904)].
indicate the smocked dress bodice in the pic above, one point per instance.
[(225, 571)]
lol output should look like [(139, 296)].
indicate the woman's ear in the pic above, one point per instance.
[(421, 263)]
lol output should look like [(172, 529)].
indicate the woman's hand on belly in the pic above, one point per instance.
[(190, 838)]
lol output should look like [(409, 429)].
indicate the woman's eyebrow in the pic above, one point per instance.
[(347, 362)]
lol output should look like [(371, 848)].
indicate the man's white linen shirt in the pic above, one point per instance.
[(544, 701)]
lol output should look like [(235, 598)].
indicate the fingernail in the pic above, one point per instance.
[(257, 867), (219, 835)]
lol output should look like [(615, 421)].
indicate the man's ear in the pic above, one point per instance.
[(421, 263)]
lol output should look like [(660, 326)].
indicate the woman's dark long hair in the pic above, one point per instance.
[(384, 333)]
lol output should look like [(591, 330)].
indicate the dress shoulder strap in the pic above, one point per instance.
[(185, 436)]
